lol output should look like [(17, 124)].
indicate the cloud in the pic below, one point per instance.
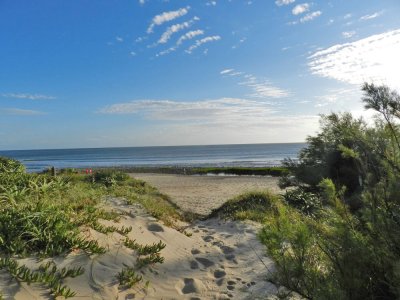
[(347, 16), (119, 39), (224, 120), (141, 2), (226, 71), (341, 97), (213, 110), (19, 112), (284, 2), (189, 35), (373, 16), (198, 43), (175, 28), (348, 34), (310, 16), (166, 17), (300, 8), (28, 96), (374, 58), (262, 89)]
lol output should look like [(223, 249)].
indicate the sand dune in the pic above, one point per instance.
[(220, 260)]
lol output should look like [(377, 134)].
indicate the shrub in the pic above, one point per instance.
[(8, 165), (308, 203)]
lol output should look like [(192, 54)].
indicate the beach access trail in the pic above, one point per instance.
[(201, 194)]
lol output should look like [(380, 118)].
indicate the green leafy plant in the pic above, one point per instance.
[(127, 277)]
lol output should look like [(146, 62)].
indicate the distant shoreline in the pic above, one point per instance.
[(274, 171)]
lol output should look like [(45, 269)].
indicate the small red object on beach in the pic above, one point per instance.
[(90, 171), (87, 171)]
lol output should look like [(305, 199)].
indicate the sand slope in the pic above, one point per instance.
[(221, 260), (202, 194)]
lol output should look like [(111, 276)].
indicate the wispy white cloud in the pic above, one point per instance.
[(226, 71), (19, 112), (301, 8), (176, 28), (337, 97), (166, 17), (374, 58), (141, 2), (213, 121), (119, 39), (261, 88), (189, 35), (28, 96), (264, 88), (347, 16), (372, 16), (211, 3), (348, 34), (185, 110), (284, 2), (198, 43), (310, 16)]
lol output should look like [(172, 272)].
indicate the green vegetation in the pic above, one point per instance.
[(349, 176), (335, 234), (248, 206), (271, 171), (260, 171), (42, 216), (47, 275), (127, 277)]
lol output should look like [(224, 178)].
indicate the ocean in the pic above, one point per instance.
[(245, 155)]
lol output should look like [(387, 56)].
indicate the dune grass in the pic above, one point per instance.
[(42, 216), (248, 206)]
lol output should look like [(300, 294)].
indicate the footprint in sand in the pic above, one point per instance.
[(191, 285), (208, 238), (195, 251), (205, 261), (219, 273), (194, 265), (231, 257), (227, 249), (155, 227)]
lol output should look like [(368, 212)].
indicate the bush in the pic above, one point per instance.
[(307, 202), (109, 177), (350, 249), (8, 165)]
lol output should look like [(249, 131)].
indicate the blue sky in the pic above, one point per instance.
[(156, 72)]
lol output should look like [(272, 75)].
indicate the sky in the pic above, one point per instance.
[(108, 73)]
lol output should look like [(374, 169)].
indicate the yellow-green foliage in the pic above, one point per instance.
[(251, 205)]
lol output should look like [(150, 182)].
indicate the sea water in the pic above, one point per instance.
[(245, 155)]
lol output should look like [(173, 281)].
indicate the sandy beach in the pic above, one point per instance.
[(213, 260), (202, 194)]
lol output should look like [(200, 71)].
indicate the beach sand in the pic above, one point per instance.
[(209, 259), (202, 194), (220, 260)]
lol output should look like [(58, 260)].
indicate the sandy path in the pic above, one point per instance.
[(202, 194), (220, 260)]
